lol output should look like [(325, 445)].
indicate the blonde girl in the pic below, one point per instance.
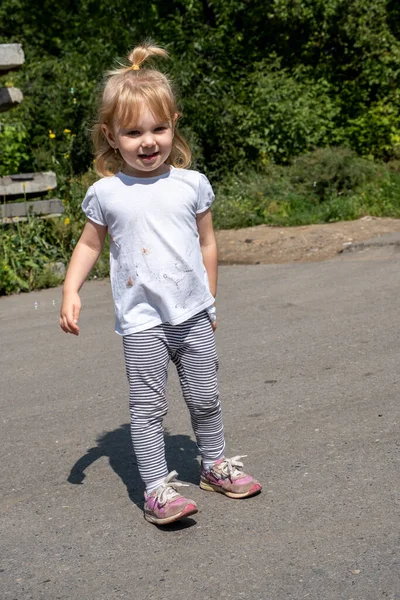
[(163, 269)]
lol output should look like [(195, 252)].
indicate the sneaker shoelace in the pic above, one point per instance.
[(168, 490), (232, 467)]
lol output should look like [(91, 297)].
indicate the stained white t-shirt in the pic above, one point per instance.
[(156, 267)]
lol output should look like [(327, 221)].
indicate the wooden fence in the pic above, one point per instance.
[(23, 193)]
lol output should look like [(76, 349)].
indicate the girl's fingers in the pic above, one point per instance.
[(62, 325), (73, 327), (69, 325), (65, 324)]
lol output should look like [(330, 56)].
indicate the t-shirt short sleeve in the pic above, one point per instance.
[(91, 207), (205, 196)]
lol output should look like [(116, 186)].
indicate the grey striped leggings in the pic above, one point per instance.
[(191, 347)]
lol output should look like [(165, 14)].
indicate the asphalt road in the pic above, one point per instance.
[(309, 381)]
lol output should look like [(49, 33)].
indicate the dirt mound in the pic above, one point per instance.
[(265, 244)]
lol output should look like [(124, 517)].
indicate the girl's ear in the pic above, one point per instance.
[(108, 134)]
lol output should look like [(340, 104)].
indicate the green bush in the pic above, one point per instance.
[(319, 187), (26, 250), (332, 171), (377, 130), (281, 114), (13, 146)]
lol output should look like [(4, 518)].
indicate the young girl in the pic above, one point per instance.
[(163, 261)]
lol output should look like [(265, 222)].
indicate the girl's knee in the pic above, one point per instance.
[(206, 406), (147, 412)]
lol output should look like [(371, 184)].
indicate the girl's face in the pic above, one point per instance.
[(144, 146)]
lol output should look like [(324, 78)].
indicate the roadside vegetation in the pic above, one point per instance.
[(292, 110)]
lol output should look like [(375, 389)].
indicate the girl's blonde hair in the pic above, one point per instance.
[(124, 91)]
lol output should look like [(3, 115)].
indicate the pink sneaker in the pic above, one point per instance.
[(226, 477), (165, 505)]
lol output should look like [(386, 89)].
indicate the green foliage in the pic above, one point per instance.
[(260, 81), (328, 171), (13, 142), (377, 130), (322, 186), (286, 114), (26, 250)]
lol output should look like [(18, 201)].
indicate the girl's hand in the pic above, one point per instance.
[(212, 315), (69, 314)]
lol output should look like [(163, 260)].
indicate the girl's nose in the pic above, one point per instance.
[(148, 139)]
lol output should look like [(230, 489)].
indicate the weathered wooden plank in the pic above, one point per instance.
[(11, 57), (9, 98), (19, 210), (27, 183)]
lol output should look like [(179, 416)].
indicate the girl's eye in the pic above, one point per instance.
[(160, 128), (134, 132)]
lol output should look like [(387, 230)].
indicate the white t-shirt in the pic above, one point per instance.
[(156, 267)]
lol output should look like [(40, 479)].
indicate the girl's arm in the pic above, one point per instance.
[(208, 245), (84, 257)]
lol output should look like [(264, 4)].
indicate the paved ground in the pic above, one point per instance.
[(310, 387)]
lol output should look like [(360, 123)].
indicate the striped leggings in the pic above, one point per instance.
[(191, 347)]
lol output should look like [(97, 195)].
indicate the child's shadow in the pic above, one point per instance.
[(181, 453)]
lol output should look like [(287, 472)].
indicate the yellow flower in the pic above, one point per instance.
[(67, 221), (67, 131), (51, 134), (66, 155), (6, 268)]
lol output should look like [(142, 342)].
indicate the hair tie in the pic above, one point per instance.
[(135, 67)]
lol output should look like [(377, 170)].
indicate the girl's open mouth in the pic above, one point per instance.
[(148, 157)]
